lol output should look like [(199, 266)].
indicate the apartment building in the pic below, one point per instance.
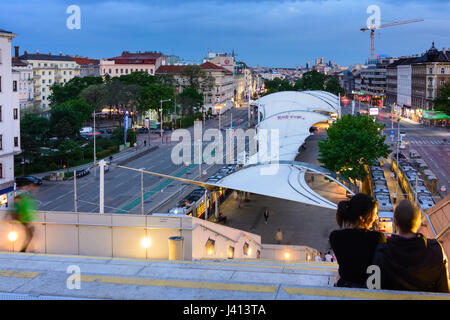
[(374, 79), (48, 70), (23, 86), (414, 82), (219, 97), (430, 72), (128, 63), (88, 67), (9, 120)]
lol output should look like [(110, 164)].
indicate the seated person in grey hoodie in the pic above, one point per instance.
[(408, 260)]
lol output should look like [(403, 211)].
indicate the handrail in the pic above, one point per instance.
[(226, 237), (443, 231)]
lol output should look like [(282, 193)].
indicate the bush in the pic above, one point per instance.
[(53, 166)]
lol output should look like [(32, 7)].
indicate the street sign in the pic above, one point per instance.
[(392, 133), (373, 111)]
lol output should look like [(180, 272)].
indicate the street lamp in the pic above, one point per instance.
[(161, 124), (398, 140), (95, 153), (200, 159)]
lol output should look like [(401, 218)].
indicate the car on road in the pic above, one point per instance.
[(82, 173), (212, 180), (23, 181), (142, 130)]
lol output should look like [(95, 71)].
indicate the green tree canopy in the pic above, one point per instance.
[(71, 89), (190, 100), (83, 110), (95, 95), (197, 77), (277, 85), (442, 103), (65, 121), (352, 142), (34, 132), (150, 98)]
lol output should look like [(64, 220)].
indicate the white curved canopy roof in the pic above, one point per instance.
[(296, 100), (272, 170)]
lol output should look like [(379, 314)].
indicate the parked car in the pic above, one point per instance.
[(400, 156), (142, 130), (23, 181)]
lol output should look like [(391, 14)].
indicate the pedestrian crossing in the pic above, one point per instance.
[(425, 141)]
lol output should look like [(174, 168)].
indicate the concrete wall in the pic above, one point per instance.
[(114, 235), (287, 252)]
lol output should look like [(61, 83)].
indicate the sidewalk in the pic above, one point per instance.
[(392, 183)]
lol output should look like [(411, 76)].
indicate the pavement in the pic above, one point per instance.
[(28, 276)]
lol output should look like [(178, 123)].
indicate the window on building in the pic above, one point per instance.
[(43, 80), (442, 82), (1, 142), (43, 89), (1, 170), (45, 64), (49, 73), (0, 83), (15, 113), (121, 70), (15, 86), (442, 71), (70, 72), (0, 113), (126, 71), (431, 70), (109, 71), (49, 80), (43, 97), (16, 142)]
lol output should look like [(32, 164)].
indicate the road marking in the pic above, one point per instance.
[(344, 293), (18, 274), (180, 284)]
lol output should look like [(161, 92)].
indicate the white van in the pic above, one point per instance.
[(86, 130)]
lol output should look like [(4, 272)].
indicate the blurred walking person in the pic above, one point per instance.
[(24, 212)]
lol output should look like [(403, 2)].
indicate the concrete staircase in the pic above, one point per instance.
[(45, 276)]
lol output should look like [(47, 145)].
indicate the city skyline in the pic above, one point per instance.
[(260, 32)]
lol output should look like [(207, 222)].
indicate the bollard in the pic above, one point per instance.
[(176, 251)]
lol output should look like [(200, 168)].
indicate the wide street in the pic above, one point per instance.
[(123, 187)]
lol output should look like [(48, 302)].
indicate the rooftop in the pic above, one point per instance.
[(47, 57)]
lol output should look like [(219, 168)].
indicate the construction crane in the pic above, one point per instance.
[(372, 31)]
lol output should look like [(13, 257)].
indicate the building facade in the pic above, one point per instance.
[(9, 120), (24, 86), (374, 79), (128, 63), (217, 99), (414, 82), (48, 70), (88, 67)]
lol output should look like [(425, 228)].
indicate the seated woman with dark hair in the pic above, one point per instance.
[(354, 243)]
